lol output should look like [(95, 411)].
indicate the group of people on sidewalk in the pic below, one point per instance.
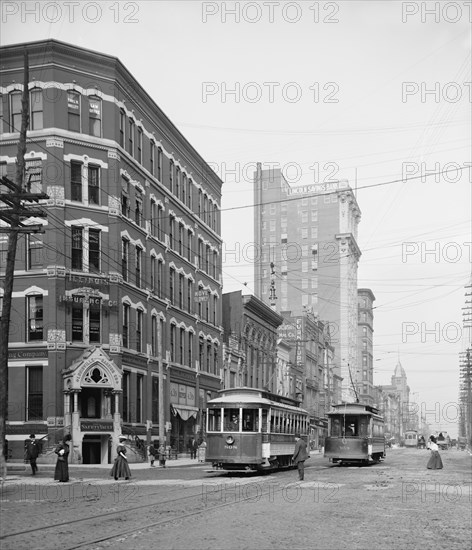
[(121, 467)]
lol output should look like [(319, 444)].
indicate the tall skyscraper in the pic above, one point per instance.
[(306, 238)]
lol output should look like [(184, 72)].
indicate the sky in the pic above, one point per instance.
[(375, 92)]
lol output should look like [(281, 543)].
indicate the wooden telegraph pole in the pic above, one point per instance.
[(13, 211)]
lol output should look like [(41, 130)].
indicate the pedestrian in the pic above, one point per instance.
[(162, 455), (120, 466), (193, 448), (434, 462), (152, 455), (32, 452), (299, 456), (61, 473)]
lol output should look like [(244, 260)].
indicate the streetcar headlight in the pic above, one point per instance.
[(230, 440)]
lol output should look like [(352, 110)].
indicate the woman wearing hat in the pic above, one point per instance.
[(61, 473), (435, 462), (121, 467)]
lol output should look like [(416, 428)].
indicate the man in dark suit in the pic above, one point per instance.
[(299, 456), (32, 451)]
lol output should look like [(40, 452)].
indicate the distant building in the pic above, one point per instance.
[(400, 389), (309, 234), (364, 374), (250, 337)]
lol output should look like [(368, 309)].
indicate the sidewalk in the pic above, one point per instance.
[(20, 466)]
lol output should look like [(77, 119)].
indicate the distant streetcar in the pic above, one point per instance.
[(355, 434), (252, 429), (411, 438)]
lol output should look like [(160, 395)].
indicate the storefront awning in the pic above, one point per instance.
[(185, 412)]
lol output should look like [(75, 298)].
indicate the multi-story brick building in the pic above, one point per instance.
[(309, 234), (130, 250), (250, 337)]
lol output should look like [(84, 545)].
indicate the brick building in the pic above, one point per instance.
[(131, 246)]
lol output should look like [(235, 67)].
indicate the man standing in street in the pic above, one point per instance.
[(32, 452), (299, 456)]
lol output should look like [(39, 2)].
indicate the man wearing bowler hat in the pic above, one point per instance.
[(299, 456)]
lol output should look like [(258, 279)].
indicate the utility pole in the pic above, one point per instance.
[(162, 435), (13, 211)]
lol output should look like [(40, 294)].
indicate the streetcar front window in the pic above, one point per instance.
[(231, 420), (214, 420), (250, 420)]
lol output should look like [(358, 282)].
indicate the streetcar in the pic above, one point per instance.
[(411, 438), (251, 429), (355, 434)]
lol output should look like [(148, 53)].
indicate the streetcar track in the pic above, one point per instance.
[(167, 520), (134, 508)]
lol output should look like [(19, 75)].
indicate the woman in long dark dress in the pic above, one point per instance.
[(61, 472), (435, 462), (121, 467)]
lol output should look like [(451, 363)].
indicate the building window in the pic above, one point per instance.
[(208, 358), (215, 361), (159, 278), (177, 182), (181, 291), (122, 127), (172, 342), (200, 203), (171, 232), (76, 181), (139, 330), (94, 185), (36, 109), (34, 391), (153, 273), (94, 250), (139, 260), (189, 245), (184, 187), (95, 116), (154, 336), (181, 239), (35, 318), (152, 157), (78, 319), (94, 320), (159, 164), (171, 284), (73, 111), (140, 145), (215, 309), (15, 111), (160, 214), (200, 353), (189, 296), (126, 376), (215, 264), (138, 212), (125, 206), (181, 346), (171, 175), (155, 400), (77, 248), (34, 249), (190, 349), (189, 194), (124, 258), (131, 137), (139, 398), (125, 327)]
